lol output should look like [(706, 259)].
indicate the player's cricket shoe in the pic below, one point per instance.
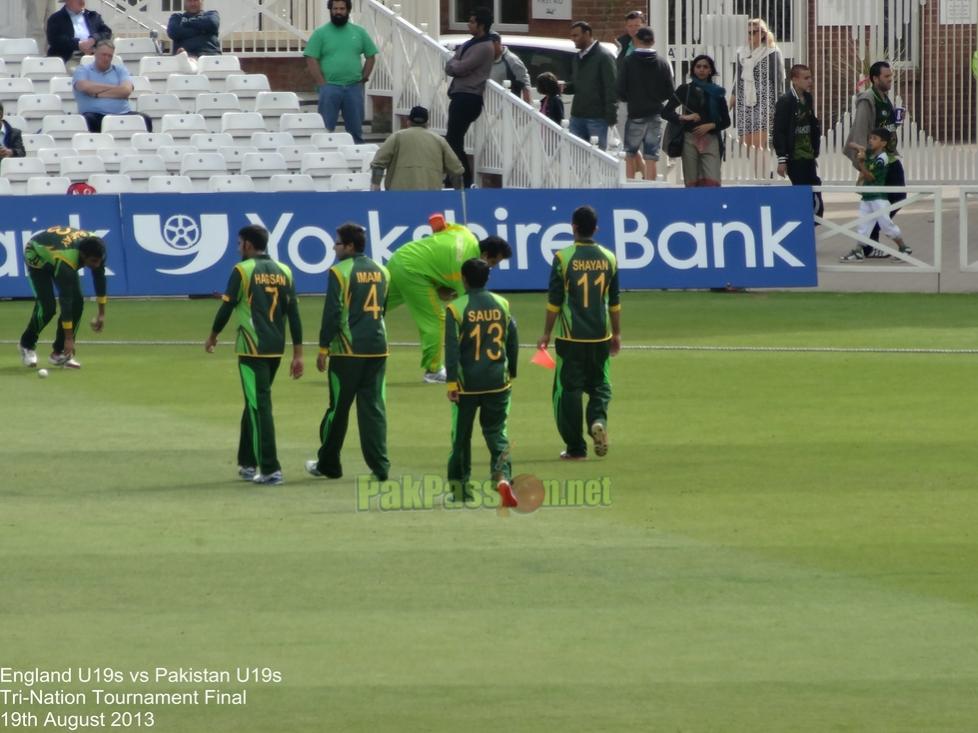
[(506, 495), (28, 357), (565, 456), (600, 435), (312, 468), (439, 377), (248, 473), (271, 479), (61, 359)]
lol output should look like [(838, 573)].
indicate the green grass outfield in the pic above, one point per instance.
[(790, 546)]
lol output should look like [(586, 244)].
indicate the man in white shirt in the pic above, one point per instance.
[(73, 30)]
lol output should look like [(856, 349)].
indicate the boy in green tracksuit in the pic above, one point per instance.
[(53, 259), (584, 296), (262, 294), (481, 347), (353, 338), (425, 272)]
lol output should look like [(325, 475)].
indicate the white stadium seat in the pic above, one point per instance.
[(293, 155), (291, 182), (234, 156), (214, 106), (140, 86), (41, 69), (6, 188), (231, 184), (156, 105), (63, 87), (63, 127), (123, 127), (186, 87), (36, 106), (110, 183), (211, 140), (272, 105), (302, 125), (81, 167), (326, 163), (11, 91), (51, 158), (173, 155), (132, 50), (140, 167), (15, 120), (218, 69), (18, 170), (349, 182), (359, 157), (40, 186), (199, 167), (262, 166), (170, 184), (158, 69), (14, 50), (148, 142), (34, 141), (85, 142), (3, 69), (332, 140), (183, 126), (112, 156), (242, 124), (271, 140), (247, 86)]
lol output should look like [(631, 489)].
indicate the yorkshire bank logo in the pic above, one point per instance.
[(181, 235)]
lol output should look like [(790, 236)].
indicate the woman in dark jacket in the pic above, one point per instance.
[(703, 115)]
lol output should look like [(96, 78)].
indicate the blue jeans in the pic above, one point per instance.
[(348, 99), (588, 127)]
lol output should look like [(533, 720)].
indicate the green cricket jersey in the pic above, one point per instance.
[(56, 250), (877, 165), (481, 343), (353, 315), (262, 293), (439, 256), (584, 290)]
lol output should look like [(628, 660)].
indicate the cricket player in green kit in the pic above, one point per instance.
[(53, 259), (584, 297), (262, 294), (425, 272), (353, 339), (481, 348)]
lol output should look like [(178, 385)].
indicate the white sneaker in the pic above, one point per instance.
[(439, 377), (248, 473), (272, 479), (61, 359), (28, 357), (311, 468)]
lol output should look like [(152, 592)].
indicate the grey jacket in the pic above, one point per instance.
[(471, 66), (863, 121)]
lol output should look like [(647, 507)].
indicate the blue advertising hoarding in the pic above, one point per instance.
[(175, 244)]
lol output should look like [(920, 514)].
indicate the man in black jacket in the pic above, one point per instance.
[(797, 134), (195, 30), (644, 84), (11, 141), (75, 30)]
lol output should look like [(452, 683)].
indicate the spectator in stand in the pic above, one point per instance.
[(74, 31), (759, 83), (195, 30), (626, 47), (11, 141), (704, 117), (508, 65), (874, 109), (551, 105), (103, 88), (470, 67), (595, 105), (415, 159), (333, 56), (645, 84), (798, 135)]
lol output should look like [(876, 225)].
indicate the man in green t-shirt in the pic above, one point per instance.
[(583, 301), (426, 273), (262, 294), (333, 56)]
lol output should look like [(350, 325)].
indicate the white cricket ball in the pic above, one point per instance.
[(42, 373)]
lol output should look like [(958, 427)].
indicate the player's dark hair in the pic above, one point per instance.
[(483, 17), (703, 57), (354, 234), (349, 5), (494, 246), (547, 84), (797, 70), (645, 34), (585, 218), (475, 272), (256, 236), (877, 68), (882, 133), (583, 25), (91, 247)]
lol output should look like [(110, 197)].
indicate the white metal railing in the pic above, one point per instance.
[(964, 228), (510, 139)]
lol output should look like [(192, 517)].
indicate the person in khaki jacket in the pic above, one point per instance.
[(415, 159)]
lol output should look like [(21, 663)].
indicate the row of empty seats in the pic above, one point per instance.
[(116, 183)]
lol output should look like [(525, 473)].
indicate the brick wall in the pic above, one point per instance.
[(607, 18)]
